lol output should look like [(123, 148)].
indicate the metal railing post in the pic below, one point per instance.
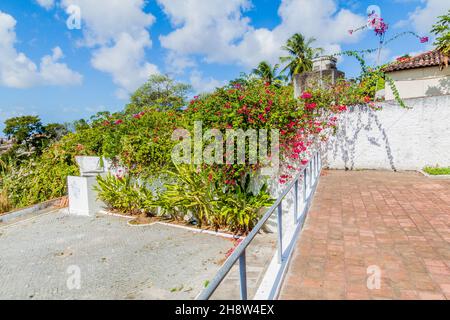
[(318, 164), (310, 174), (313, 164), (243, 276), (280, 233), (305, 176), (296, 202)]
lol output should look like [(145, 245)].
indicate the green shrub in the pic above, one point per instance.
[(125, 195), (436, 171), (193, 191)]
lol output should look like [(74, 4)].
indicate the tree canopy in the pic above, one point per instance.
[(300, 54), (442, 31), (160, 91)]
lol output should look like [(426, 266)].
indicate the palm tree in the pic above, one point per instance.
[(267, 73), (300, 55)]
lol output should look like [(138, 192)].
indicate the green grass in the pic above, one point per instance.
[(435, 171)]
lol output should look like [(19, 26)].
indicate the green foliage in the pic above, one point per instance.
[(436, 171), (300, 55), (269, 74), (160, 92), (39, 180), (191, 192), (23, 128), (395, 92), (442, 31), (125, 195), (142, 142), (5, 206), (240, 208), (194, 191)]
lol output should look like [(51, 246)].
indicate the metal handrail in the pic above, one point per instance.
[(313, 166)]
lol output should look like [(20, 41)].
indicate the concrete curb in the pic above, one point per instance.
[(437, 177), (19, 213), (195, 230)]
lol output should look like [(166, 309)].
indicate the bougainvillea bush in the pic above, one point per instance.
[(214, 195)]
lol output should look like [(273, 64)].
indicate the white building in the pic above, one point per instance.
[(419, 76)]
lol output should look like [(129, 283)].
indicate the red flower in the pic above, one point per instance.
[(367, 99), (311, 106), (118, 122), (423, 39), (342, 108), (306, 95), (304, 161)]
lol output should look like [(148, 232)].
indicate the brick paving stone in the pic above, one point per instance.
[(399, 222)]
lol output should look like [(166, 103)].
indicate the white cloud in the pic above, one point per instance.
[(117, 32), (18, 71), (204, 85), (55, 73), (426, 15), (47, 4), (221, 32)]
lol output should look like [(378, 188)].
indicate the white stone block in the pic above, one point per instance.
[(82, 196)]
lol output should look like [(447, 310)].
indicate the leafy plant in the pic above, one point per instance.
[(442, 31), (125, 195), (269, 74), (160, 92), (300, 55), (191, 193), (437, 171), (240, 208)]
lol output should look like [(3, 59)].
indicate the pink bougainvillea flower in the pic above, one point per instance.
[(304, 161), (306, 95), (118, 122), (423, 39), (311, 106), (367, 99), (381, 28), (350, 32), (342, 108)]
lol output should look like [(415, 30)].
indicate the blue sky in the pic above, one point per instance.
[(63, 75)]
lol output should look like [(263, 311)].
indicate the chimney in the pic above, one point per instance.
[(323, 74)]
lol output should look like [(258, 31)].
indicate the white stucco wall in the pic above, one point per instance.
[(393, 138), (420, 82)]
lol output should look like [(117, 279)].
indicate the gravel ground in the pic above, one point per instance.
[(57, 256)]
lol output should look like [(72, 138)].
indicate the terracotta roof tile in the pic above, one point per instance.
[(427, 59)]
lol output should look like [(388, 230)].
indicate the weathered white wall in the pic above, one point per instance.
[(420, 82), (393, 138)]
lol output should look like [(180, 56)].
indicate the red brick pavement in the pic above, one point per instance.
[(399, 222)]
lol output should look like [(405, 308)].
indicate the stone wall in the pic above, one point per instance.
[(393, 138)]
